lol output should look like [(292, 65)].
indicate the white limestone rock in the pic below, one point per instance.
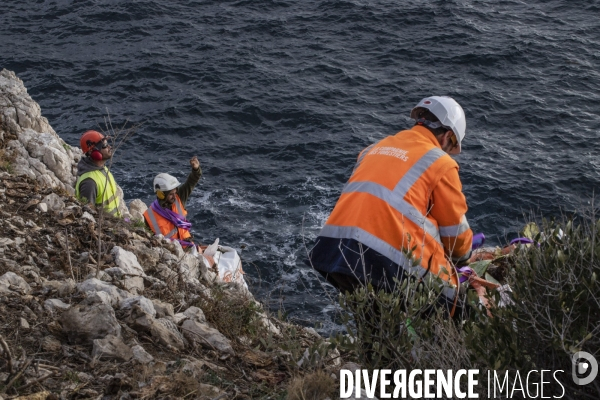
[(167, 334), (205, 336), (11, 282), (98, 298), (141, 355), (111, 348), (179, 318), (137, 208), (55, 305), (115, 295), (5, 242), (163, 309), (124, 212), (84, 323), (179, 253), (134, 285), (115, 272), (20, 167), (39, 152), (165, 273), (62, 288), (144, 303), (147, 256), (266, 322), (190, 267), (49, 149), (23, 324), (127, 261), (54, 202), (88, 216), (195, 314)]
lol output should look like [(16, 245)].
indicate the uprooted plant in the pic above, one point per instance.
[(117, 136)]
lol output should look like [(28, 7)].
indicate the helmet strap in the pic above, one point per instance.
[(430, 124)]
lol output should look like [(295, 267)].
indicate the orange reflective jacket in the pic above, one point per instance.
[(161, 225), (405, 193)]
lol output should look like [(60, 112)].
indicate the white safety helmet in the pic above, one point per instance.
[(450, 114), (165, 183)]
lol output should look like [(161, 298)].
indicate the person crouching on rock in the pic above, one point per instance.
[(95, 183), (167, 214)]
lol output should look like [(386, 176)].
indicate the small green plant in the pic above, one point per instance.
[(387, 329), (66, 147), (140, 223), (7, 166), (72, 376), (6, 163)]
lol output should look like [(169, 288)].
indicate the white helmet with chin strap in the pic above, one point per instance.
[(450, 114), (164, 183)]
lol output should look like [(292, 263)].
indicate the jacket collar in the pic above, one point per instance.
[(426, 134)]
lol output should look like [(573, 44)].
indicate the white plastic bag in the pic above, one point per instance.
[(229, 265), (211, 250), (228, 262)]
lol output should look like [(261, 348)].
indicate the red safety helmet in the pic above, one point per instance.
[(89, 140)]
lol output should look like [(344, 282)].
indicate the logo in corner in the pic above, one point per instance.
[(584, 368)]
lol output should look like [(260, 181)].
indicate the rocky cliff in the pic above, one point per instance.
[(97, 307)]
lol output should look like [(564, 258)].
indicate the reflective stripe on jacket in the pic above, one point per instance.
[(106, 189), (405, 195), (163, 226)]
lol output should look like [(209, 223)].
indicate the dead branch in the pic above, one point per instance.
[(18, 375), (40, 379), (9, 356), (69, 254)]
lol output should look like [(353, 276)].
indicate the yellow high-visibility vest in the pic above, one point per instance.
[(106, 189)]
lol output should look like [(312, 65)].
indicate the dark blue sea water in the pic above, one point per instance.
[(278, 97)]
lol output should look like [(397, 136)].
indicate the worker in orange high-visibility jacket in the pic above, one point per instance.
[(402, 211), (167, 214)]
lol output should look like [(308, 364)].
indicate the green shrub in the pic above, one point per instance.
[(557, 305), (556, 313), (389, 330)]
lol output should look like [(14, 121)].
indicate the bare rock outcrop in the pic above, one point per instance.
[(35, 148)]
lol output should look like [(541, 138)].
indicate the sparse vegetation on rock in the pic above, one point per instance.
[(109, 311)]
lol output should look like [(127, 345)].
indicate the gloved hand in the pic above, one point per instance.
[(478, 241), (195, 163)]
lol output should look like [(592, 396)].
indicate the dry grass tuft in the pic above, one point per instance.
[(318, 385), (230, 313)]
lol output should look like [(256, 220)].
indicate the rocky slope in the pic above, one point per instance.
[(96, 307)]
